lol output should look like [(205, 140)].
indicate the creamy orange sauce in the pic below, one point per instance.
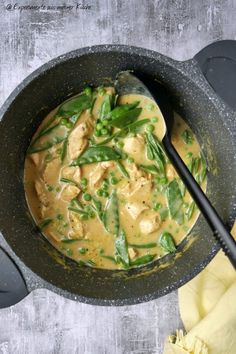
[(141, 198)]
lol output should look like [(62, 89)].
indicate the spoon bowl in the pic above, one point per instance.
[(126, 82)]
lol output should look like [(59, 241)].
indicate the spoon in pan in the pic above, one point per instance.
[(127, 83)]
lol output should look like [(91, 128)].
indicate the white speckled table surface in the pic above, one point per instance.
[(43, 322)]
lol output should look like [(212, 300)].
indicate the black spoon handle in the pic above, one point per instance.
[(220, 232)]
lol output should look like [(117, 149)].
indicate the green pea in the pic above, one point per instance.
[(105, 122), (64, 121), (150, 128), (84, 217), (83, 250), (104, 131), (84, 181), (154, 119), (99, 126), (105, 194), (92, 214), (120, 144), (69, 125), (50, 188), (88, 90), (114, 180), (100, 192), (101, 91), (60, 217), (157, 206), (87, 197), (130, 160), (97, 133)]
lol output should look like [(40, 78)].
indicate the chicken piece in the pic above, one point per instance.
[(132, 253), (41, 193), (135, 209), (138, 189), (69, 192), (135, 173), (97, 175), (77, 226), (50, 175), (171, 172), (35, 158), (72, 173), (77, 140), (134, 146), (149, 224)]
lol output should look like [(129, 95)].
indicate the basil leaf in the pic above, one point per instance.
[(121, 109), (122, 249), (143, 260), (111, 214), (175, 202), (167, 242), (126, 118)]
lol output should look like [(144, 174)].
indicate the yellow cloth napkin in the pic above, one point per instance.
[(208, 311)]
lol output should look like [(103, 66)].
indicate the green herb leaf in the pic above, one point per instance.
[(126, 118), (105, 107), (164, 212), (189, 211), (64, 150), (150, 169), (88, 263), (71, 240), (123, 169), (45, 223), (122, 248), (143, 245), (118, 111), (175, 202), (167, 242), (111, 214), (143, 260), (157, 152), (187, 137)]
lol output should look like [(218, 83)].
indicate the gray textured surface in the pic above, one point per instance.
[(45, 322)]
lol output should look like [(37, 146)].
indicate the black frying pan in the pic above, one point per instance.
[(211, 118)]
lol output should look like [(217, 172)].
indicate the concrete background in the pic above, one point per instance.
[(43, 322)]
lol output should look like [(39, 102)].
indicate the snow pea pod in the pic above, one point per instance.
[(75, 105), (96, 154), (167, 242), (142, 260), (54, 141)]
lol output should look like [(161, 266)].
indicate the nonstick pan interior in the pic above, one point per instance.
[(43, 91)]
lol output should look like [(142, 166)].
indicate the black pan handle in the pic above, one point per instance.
[(217, 62), (12, 284), (220, 232)]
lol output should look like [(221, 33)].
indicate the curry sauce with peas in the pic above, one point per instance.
[(99, 184)]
